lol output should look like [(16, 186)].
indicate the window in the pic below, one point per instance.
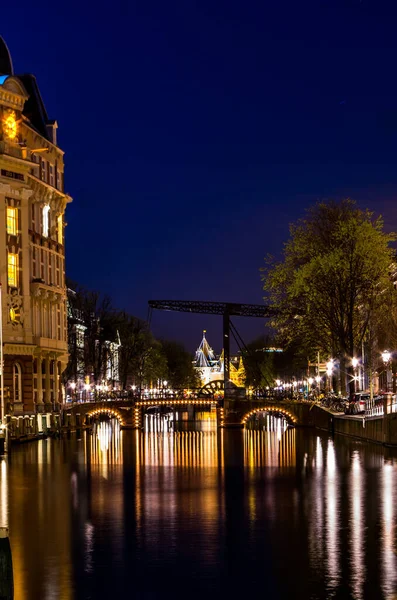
[(12, 270), (52, 175), (59, 180), (59, 228), (46, 220), (12, 216), (17, 383), (44, 170)]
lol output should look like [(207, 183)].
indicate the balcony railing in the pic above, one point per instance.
[(11, 150)]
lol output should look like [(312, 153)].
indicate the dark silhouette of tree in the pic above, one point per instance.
[(181, 372)]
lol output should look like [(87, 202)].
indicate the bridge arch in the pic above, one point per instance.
[(288, 415), (111, 412)]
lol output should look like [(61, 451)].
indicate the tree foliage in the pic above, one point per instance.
[(181, 373), (333, 281), (138, 352), (95, 315), (264, 365), (142, 360)]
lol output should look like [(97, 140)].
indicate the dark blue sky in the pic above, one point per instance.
[(196, 131)]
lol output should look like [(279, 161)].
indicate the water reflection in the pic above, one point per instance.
[(332, 521), (357, 540), (311, 516), (165, 420), (388, 533)]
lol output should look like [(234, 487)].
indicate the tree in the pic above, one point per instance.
[(333, 281), (258, 363), (181, 373), (94, 315), (141, 358), (264, 365)]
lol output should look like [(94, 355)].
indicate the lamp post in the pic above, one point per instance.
[(330, 368), (355, 365), (87, 388), (1, 359), (386, 357), (318, 385), (73, 387)]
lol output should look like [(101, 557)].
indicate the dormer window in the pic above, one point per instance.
[(46, 220)]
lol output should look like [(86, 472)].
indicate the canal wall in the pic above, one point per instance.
[(380, 430)]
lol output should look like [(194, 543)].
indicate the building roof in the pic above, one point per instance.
[(6, 67), (34, 109), (204, 354)]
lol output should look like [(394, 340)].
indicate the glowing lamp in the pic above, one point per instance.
[(330, 366), (10, 128), (386, 356)]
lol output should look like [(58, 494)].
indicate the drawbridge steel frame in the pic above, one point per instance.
[(224, 309)]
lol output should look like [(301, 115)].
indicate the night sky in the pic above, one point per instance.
[(195, 132)]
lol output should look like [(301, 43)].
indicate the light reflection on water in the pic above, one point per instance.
[(311, 516)]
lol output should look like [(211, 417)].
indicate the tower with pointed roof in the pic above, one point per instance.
[(210, 368), (32, 248)]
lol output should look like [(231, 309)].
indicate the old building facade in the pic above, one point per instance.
[(32, 249)]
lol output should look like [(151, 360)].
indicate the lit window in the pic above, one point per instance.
[(11, 220), (17, 382), (60, 232), (46, 219), (12, 270)]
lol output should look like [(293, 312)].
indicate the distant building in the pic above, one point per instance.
[(211, 368), (93, 361), (32, 246)]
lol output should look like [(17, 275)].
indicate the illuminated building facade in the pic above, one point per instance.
[(211, 368), (32, 249), (93, 360)]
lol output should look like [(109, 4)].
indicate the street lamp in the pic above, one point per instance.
[(386, 357), (87, 388), (330, 368), (355, 378), (73, 388)]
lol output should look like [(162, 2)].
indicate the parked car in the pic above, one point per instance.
[(358, 404)]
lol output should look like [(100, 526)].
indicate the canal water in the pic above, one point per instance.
[(285, 513)]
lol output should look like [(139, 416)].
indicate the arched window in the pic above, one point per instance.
[(17, 383)]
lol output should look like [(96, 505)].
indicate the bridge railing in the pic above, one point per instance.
[(133, 397)]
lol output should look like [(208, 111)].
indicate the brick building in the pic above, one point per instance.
[(32, 250)]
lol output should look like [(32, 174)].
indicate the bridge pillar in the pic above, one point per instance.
[(220, 416), (137, 421)]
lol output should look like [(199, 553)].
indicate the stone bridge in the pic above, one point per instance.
[(230, 413)]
